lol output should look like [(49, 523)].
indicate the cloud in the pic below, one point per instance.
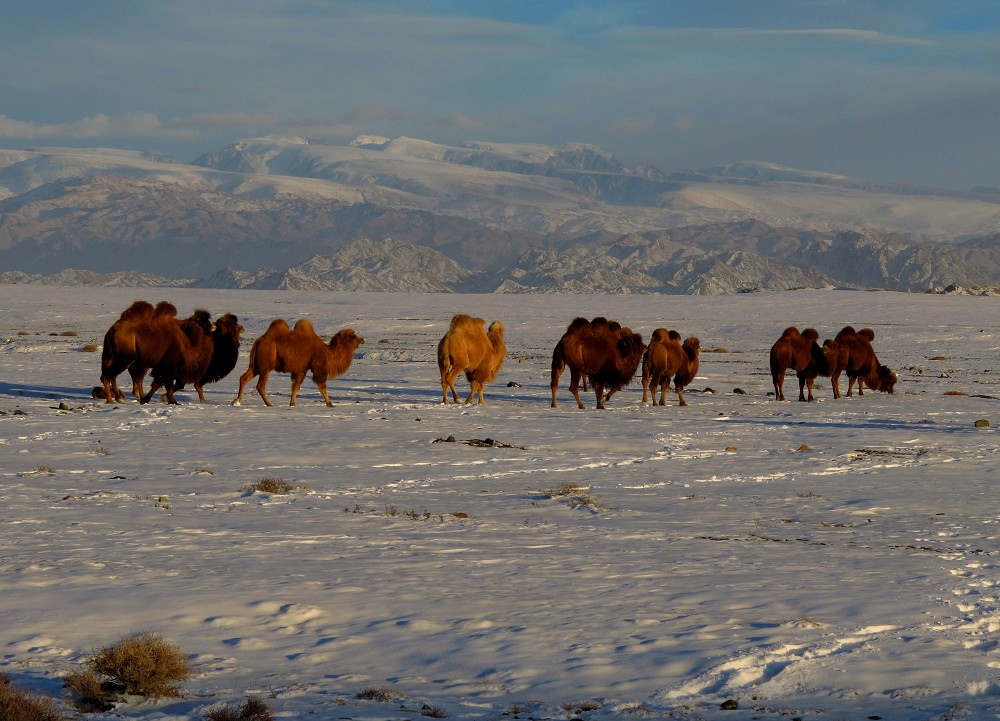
[(95, 126)]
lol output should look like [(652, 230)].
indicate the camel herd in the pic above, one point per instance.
[(603, 352)]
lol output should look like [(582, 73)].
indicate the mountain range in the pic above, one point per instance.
[(411, 215)]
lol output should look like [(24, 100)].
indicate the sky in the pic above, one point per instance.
[(892, 90)]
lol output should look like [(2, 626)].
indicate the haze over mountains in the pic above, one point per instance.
[(411, 215)]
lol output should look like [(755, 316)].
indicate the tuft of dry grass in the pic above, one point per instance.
[(955, 393), (381, 694), (69, 333), (275, 486), (578, 496), (144, 664), (20, 705), (90, 348), (253, 709)]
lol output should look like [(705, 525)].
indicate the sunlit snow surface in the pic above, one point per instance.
[(839, 559)]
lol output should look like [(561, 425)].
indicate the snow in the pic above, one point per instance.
[(830, 560)]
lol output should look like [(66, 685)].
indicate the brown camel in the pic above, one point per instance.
[(799, 352), (298, 352), (602, 351), (855, 356)]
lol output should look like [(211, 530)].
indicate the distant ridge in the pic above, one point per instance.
[(391, 214)]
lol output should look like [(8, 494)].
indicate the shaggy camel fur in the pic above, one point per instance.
[(600, 350), (186, 357), (853, 354), (298, 352), (799, 352), (667, 358), (225, 353), (121, 348), (467, 348), (145, 337)]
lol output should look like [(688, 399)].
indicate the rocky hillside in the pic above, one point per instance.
[(407, 214)]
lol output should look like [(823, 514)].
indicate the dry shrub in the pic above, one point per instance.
[(276, 486), (19, 705), (253, 709), (69, 333), (578, 496), (144, 665), (90, 348), (91, 694), (955, 393), (383, 694)]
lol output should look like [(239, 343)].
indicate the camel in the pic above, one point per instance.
[(225, 353), (667, 358), (801, 353), (186, 356), (147, 337), (467, 348), (297, 352), (602, 351), (853, 354)]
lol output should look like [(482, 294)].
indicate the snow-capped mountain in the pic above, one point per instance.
[(512, 218)]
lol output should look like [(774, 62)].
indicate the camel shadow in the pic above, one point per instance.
[(19, 390)]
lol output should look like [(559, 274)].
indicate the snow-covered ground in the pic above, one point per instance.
[(833, 560)]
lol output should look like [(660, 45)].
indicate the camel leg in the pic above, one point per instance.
[(444, 386), (322, 390), (680, 395), (138, 375), (850, 386), (168, 391), (297, 379), (664, 387), (645, 387), (599, 391), (201, 392), (779, 385), (835, 382), (554, 383), (262, 388), (244, 379), (574, 387), (155, 386), (107, 389), (454, 373), (809, 385)]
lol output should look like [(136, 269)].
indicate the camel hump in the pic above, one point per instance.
[(790, 332), (278, 325), (810, 334), (139, 309), (164, 308), (578, 324), (496, 327), (867, 333), (674, 336), (304, 326), (202, 316), (660, 335)]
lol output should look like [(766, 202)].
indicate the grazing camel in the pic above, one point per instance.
[(799, 352), (298, 352), (602, 351), (467, 348), (853, 354)]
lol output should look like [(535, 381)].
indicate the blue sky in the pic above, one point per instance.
[(905, 90)]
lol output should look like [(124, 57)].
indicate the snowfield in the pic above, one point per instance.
[(832, 560)]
